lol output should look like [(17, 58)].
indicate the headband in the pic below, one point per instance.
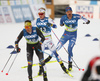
[(28, 24), (41, 10)]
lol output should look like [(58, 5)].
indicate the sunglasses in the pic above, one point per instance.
[(27, 27), (40, 13)]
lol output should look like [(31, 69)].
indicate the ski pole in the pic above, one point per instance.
[(11, 64), (55, 57), (7, 62), (66, 51)]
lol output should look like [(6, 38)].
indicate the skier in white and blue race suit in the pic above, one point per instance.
[(70, 21), (45, 24)]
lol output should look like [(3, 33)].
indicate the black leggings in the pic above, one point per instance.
[(30, 52)]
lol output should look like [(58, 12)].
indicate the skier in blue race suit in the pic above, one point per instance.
[(70, 21)]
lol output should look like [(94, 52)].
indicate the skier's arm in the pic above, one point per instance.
[(17, 41), (19, 37), (87, 74), (86, 20), (40, 35), (51, 23), (61, 21)]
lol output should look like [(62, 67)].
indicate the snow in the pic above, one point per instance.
[(84, 50)]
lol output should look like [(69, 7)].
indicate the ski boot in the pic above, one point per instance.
[(45, 76), (30, 78), (65, 69), (70, 66), (40, 71), (42, 63), (45, 79)]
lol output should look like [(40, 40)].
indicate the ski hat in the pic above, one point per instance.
[(68, 9), (41, 10)]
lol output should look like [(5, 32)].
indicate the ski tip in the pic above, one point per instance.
[(6, 73), (2, 71), (37, 76), (24, 67), (70, 75), (79, 69)]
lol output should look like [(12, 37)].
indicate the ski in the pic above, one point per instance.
[(69, 71), (70, 75), (37, 76), (38, 64), (42, 75)]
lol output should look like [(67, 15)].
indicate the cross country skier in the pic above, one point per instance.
[(32, 35), (70, 21), (45, 24)]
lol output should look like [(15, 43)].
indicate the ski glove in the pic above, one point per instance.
[(88, 22), (49, 24), (17, 48)]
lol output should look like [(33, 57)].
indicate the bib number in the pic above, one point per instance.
[(43, 29)]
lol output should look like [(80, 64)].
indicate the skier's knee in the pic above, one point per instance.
[(30, 62)]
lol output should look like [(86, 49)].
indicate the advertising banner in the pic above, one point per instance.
[(1, 16), (34, 9), (17, 13), (40, 2), (24, 2), (35, 1), (86, 11), (22, 13), (4, 2), (0, 3), (99, 12), (7, 14), (18, 2), (8, 2), (31, 1), (93, 2), (26, 12), (12, 2)]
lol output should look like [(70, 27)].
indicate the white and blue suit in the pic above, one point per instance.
[(46, 30)]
